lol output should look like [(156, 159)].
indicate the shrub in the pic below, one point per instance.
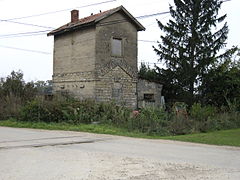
[(149, 120), (152, 121), (202, 116), (180, 125), (72, 111)]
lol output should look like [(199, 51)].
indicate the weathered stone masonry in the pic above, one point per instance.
[(96, 57)]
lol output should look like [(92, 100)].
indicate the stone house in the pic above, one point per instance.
[(149, 93), (96, 57)]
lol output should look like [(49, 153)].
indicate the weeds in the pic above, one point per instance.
[(151, 121)]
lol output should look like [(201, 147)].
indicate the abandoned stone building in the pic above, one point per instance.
[(96, 58)]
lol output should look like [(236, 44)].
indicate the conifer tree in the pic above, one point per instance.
[(190, 44)]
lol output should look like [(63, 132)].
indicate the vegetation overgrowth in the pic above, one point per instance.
[(26, 103), (23, 102), (195, 74)]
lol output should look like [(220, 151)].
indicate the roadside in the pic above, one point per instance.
[(62, 155), (224, 137)]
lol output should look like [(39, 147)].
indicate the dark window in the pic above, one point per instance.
[(149, 97), (116, 47)]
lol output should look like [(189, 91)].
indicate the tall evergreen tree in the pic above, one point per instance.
[(189, 45)]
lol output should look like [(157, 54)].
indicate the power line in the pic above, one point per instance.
[(79, 7), (47, 53), (149, 41), (27, 24), (22, 33), (113, 22), (53, 12), (26, 35), (150, 15), (101, 24), (125, 20), (28, 50)]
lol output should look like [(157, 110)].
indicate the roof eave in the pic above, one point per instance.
[(140, 27), (71, 29)]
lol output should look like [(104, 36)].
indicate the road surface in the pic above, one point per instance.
[(27, 154)]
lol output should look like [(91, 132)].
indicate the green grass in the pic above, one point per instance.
[(99, 128), (225, 137)]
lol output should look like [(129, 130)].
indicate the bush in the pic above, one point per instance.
[(180, 125), (75, 112), (202, 116), (14, 93), (36, 111), (151, 121)]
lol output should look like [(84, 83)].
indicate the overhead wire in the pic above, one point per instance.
[(26, 35), (27, 24), (101, 24), (23, 34), (53, 12), (28, 50)]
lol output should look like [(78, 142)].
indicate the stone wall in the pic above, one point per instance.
[(85, 67), (116, 26), (74, 63), (74, 51), (81, 84), (116, 85), (149, 93)]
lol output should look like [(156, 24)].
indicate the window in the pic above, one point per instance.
[(149, 97), (116, 47)]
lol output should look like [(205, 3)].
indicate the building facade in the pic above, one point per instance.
[(96, 57)]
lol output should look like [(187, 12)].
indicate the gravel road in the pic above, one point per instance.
[(62, 155)]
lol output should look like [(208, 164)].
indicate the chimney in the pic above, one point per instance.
[(74, 16)]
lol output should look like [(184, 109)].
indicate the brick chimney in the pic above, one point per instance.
[(74, 16)]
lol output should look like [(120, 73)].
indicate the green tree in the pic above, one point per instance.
[(13, 84), (43, 87), (14, 93), (221, 85), (145, 72), (189, 46), (163, 76)]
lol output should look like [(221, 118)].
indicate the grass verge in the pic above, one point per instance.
[(92, 128), (225, 137)]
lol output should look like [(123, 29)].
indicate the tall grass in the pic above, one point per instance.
[(151, 121)]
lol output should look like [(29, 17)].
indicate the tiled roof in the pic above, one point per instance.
[(90, 20)]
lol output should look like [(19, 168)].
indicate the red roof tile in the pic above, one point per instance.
[(86, 21)]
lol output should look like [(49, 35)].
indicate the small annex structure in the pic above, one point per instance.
[(96, 57)]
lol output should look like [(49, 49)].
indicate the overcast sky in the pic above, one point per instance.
[(33, 53)]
